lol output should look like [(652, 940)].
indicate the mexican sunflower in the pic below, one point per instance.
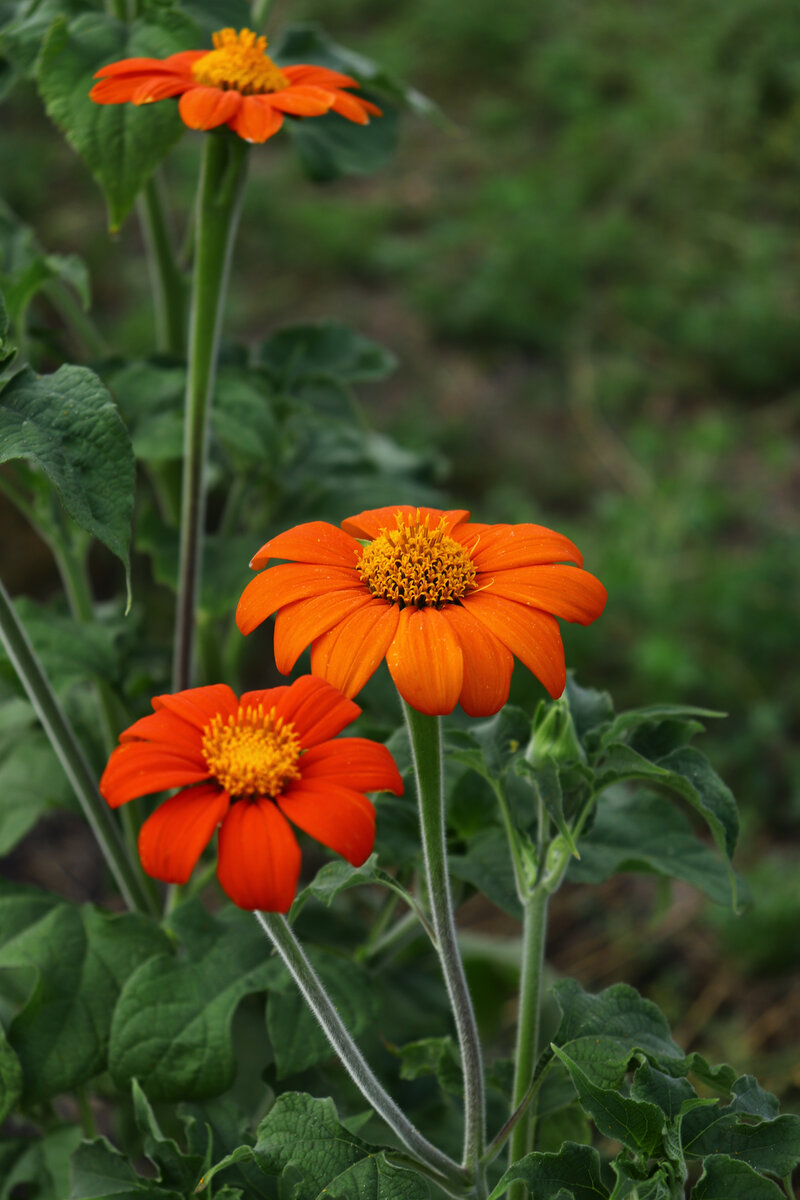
[(250, 766), (236, 84), (447, 602)]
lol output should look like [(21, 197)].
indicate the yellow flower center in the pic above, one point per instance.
[(414, 564), (253, 753), (239, 62)]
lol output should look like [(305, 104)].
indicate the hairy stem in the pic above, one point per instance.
[(169, 290), (530, 994), (282, 937), (219, 201), (65, 744), (426, 746)]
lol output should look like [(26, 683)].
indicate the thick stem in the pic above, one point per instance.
[(219, 201), (280, 933), (169, 289), (64, 742), (530, 994), (426, 747)]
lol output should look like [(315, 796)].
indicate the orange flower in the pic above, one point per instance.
[(236, 84), (447, 602), (246, 765)]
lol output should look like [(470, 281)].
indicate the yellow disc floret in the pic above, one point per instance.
[(414, 564), (253, 753), (239, 62)]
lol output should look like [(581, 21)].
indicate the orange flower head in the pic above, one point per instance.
[(448, 603), (249, 766), (236, 84)]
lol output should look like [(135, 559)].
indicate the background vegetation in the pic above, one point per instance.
[(589, 277)]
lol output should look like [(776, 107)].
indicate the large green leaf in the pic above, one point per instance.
[(748, 1129), (68, 425), (122, 144), (172, 1024), (99, 1172), (38, 1167), (637, 1124), (302, 1139), (726, 1178), (576, 1172), (64, 967)]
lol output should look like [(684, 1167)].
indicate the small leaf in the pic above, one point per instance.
[(576, 1171), (67, 424), (299, 352), (502, 738), (339, 876), (433, 1056), (638, 1124), (122, 144), (176, 1169), (99, 1172), (726, 1178)]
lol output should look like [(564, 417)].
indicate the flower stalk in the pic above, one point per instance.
[(69, 753), (291, 952), (219, 201), (530, 994), (168, 284), (426, 747)]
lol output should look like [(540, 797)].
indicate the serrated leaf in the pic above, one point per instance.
[(641, 832), (122, 144), (726, 1178), (303, 1136), (68, 425), (637, 1124), (64, 967), (769, 1143), (299, 352), (298, 1041), (574, 1171), (182, 1050), (99, 1172)]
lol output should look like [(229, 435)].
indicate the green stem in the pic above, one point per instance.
[(260, 13), (65, 744), (530, 992), (502, 1136), (291, 952), (85, 1110), (219, 201), (426, 747), (169, 290), (71, 312)]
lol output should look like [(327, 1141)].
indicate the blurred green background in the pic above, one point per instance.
[(591, 279)]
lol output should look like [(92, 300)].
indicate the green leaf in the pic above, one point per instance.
[(629, 722), (327, 348), (38, 1167), (576, 1171), (502, 738), (339, 876), (175, 1169), (122, 144), (211, 15), (31, 784), (99, 1172), (546, 782), (638, 1124), (591, 710), (303, 1137), (21, 40), (487, 866), (602, 1033), (670, 1094), (64, 966), (641, 832), (726, 1178), (67, 424), (183, 1050), (226, 560), (10, 1077), (433, 1056), (631, 1186), (770, 1143), (298, 1041), (71, 651)]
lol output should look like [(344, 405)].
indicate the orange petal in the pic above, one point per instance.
[(289, 582), (317, 710), (340, 818), (173, 838), (208, 107), (533, 636), (487, 664), (500, 547), (199, 705), (303, 101), (361, 764), (298, 624), (314, 542), (368, 524), (350, 107), (268, 697), (158, 88), (137, 769), (426, 661), (136, 66), (567, 592), (320, 76), (256, 120), (168, 729), (350, 653), (259, 858)]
